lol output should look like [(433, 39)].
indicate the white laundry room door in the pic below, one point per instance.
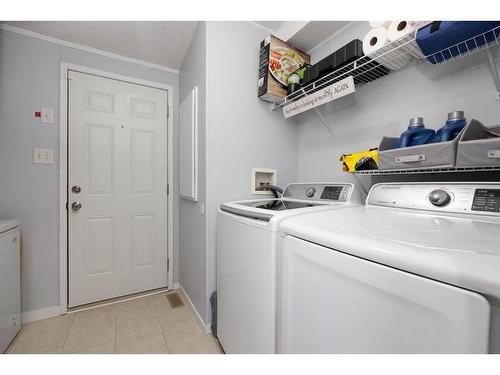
[(117, 188)]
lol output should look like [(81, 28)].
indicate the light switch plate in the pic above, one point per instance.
[(43, 156), (47, 115)]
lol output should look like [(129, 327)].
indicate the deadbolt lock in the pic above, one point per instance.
[(76, 189)]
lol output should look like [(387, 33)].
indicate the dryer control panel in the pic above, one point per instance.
[(487, 200), (473, 198)]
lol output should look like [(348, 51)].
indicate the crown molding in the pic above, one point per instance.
[(84, 48)]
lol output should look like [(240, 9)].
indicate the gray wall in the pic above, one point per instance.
[(192, 227), (29, 80), (242, 131), (384, 107)]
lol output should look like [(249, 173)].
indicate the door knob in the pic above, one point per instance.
[(76, 206), (76, 189)]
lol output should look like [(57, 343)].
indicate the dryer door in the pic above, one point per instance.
[(337, 303)]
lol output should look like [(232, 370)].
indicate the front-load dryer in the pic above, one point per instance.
[(415, 270)]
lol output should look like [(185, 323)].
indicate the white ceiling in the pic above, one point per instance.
[(159, 42), (316, 32), (165, 42), (304, 34), (271, 25)]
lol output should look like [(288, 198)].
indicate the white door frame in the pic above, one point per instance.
[(63, 172)]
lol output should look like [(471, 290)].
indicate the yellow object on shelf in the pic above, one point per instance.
[(349, 161)]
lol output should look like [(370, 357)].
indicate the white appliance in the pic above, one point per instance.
[(415, 270), (10, 282), (247, 257)]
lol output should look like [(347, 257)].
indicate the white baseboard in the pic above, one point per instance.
[(114, 301), (52, 311), (206, 328), (46, 312)]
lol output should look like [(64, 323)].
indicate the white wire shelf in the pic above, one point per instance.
[(399, 55), (379, 172)]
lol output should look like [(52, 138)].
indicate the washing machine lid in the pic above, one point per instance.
[(297, 197), (265, 209), (278, 204), (462, 249)]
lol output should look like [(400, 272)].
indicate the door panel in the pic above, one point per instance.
[(142, 240), (118, 156), (143, 108), (99, 246), (99, 101), (99, 149), (143, 162)]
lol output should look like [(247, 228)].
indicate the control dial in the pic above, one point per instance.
[(310, 192), (439, 198)]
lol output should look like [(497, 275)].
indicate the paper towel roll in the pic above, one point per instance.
[(373, 46), (374, 40), (399, 29), (375, 24)]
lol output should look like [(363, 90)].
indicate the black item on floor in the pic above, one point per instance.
[(213, 304), (343, 56)]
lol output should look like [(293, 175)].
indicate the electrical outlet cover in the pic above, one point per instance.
[(43, 156)]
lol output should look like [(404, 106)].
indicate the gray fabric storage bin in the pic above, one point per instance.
[(440, 154), (479, 146)]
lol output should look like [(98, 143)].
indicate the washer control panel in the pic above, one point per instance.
[(473, 198), (310, 191), (332, 192), (319, 192)]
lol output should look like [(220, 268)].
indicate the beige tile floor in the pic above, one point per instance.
[(144, 325)]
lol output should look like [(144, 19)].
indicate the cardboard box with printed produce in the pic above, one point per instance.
[(278, 59)]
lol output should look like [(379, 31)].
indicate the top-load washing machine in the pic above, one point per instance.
[(247, 258), (415, 270)]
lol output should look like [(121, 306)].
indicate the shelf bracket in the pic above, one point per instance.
[(494, 71), (360, 184), (324, 121)]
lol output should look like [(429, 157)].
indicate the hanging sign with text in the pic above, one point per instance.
[(325, 95)]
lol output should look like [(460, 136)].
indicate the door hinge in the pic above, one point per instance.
[(168, 110), (168, 189), (66, 206), (168, 264)]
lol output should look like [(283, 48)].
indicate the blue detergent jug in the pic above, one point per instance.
[(416, 134), (454, 125)]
